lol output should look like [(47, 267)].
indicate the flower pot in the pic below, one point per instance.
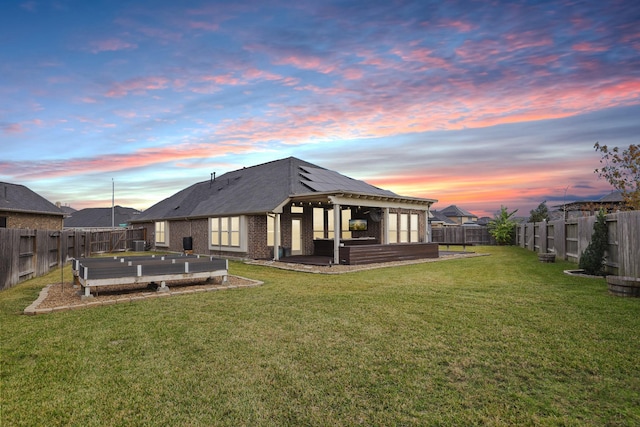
[(547, 257), (624, 286)]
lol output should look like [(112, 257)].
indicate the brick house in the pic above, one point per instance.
[(22, 208), (288, 204)]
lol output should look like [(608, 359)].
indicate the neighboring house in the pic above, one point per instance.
[(611, 202), (288, 204), (458, 215), (437, 220), (100, 217), (22, 208)]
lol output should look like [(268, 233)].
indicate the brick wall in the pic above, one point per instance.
[(33, 221)]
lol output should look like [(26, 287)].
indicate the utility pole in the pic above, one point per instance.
[(113, 215)]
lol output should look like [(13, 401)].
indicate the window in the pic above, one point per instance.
[(297, 209), (345, 216), (271, 230), (225, 231), (413, 226), (404, 228), (161, 233), (393, 228), (3, 222), (318, 223)]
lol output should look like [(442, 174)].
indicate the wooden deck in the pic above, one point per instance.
[(370, 254)]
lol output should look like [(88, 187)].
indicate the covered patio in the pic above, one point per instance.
[(370, 228)]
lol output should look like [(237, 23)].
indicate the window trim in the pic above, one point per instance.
[(240, 233), (165, 233)]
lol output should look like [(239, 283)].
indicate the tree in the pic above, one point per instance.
[(622, 170), (539, 214), (592, 259), (502, 227)]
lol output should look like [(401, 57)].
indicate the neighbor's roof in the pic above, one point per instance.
[(100, 217), (18, 198), (455, 211), (437, 216), (258, 189)]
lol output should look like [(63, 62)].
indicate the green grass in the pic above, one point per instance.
[(495, 340)]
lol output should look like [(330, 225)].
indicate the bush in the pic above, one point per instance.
[(592, 259)]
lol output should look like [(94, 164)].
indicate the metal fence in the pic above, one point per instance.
[(462, 235), (568, 240), (25, 253)]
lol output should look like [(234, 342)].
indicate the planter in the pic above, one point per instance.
[(624, 286), (547, 257)]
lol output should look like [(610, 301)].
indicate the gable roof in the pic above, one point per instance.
[(259, 189), (100, 217), (438, 217), (18, 198), (455, 211)]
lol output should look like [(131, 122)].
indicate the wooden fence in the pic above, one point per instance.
[(25, 253), (462, 235), (568, 240)]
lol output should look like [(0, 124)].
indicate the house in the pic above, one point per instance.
[(117, 216), (437, 220), (611, 202), (22, 208), (459, 215), (281, 208)]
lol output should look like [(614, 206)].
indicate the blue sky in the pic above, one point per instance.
[(479, 104)]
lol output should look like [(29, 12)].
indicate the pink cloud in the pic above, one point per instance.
[(203, 25), (112, 44), (139, 85), (588, 47), (12, 128)]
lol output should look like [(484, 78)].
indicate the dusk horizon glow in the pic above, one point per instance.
[(477, 104)]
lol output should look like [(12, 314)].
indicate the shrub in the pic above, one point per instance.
[(592, 259)]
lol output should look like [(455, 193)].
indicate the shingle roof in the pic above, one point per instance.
[(100, 217), (455, 211), (439, 217), (614, 196), (256, 189), (18, 198)]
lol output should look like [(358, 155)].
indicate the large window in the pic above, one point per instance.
[(408, 230), (225, 232), (393, 228), (345, 216), (404, 228), (413, 227), (318, 223), (161, 233), (271, 230)]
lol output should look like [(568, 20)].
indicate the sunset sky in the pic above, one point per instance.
[(474, 103)]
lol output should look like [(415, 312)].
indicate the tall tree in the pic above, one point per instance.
[(622, 170), (539, 214), (502, 227)]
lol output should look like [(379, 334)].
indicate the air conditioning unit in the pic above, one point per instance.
[(138, 245)]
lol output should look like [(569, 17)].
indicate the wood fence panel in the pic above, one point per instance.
[(559, 239), (26, 253), (629, 239), (569, 240), (10, 244)]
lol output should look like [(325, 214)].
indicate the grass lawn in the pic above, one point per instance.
[(494, 340)]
